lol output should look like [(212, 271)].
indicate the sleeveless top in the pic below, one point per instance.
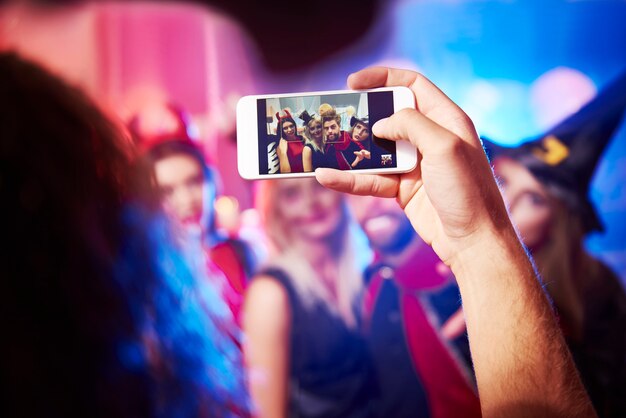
[(294, 154), (319, 159), (330, 371)]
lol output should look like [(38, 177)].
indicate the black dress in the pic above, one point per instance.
[(330, 373), (319, 159)]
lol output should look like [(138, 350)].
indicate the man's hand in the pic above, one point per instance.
[(451, 197)]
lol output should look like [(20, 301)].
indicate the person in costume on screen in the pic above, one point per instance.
[(336, 140), (304, 349), (290, 145), (313, 155), (173, 168), (359, 148), (545, 182)]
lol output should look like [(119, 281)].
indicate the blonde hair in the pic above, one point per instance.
[(309, 138), (305, 280)]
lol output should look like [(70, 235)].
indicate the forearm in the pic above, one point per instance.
[(283, 161), (514, 366)]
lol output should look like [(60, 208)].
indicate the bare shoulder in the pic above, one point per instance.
[(265, 289), (266, 302)]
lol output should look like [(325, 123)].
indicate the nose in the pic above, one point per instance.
[(184, 199)]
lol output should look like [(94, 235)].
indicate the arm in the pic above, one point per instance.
[(266, 325), (307, 159), (523, 367), (283, 158)]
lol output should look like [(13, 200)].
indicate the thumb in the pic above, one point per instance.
[(411, 125)]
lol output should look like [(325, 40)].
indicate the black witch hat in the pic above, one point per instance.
[(354, 120), (564, 158)]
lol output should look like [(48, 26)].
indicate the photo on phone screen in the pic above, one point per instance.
[(298, 134)]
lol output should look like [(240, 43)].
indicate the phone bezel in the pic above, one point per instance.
[(248, 141)]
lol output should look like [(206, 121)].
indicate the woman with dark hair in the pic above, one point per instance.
[(173, 173), (361, 143), (291, 144), (102, 317)]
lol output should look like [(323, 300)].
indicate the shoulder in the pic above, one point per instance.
[(267, 293), (266, 303), (268, 283)]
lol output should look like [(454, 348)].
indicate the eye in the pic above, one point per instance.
[(537, 200)]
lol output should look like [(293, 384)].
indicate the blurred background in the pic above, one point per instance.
[(516, 67)]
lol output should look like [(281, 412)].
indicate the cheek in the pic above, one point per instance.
[(533, 224), (328, 200), (197, 196), (169, 206)]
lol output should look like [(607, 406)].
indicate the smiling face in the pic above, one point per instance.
[(180, 179), (309, 211), (289, 130), (530, 205), (360, 132), (316, 130)]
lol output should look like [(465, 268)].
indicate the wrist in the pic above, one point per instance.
[(491, 253)]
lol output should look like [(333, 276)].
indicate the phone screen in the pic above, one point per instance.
[(301, 133)]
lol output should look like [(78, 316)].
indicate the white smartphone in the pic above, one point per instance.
[(290, 135)]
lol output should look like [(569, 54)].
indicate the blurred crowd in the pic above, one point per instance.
[(125, 295)]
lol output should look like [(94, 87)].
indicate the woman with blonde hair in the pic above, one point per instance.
[(304, 349), (313, 155)]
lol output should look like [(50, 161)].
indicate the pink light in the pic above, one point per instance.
[(559, 93)]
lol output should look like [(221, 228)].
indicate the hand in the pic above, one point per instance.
[(360, 156), (451, 197), (283, 146)]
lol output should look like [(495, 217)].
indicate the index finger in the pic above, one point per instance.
[(429, 100)]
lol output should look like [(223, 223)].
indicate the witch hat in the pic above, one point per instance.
[(565, 158), (364, 121)]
